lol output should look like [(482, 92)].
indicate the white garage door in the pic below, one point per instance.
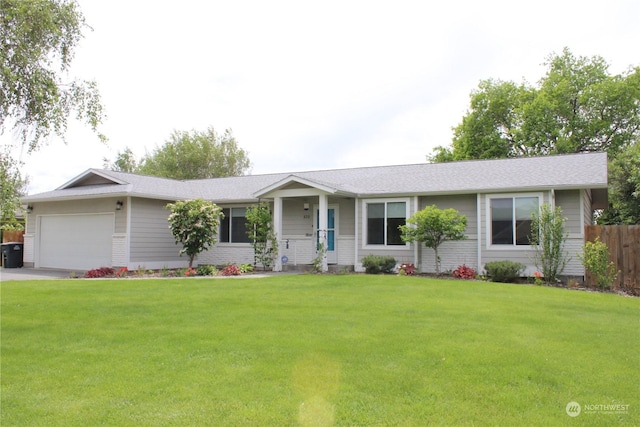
[(76, 242)]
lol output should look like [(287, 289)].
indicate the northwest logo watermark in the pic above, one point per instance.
[(574, 409)]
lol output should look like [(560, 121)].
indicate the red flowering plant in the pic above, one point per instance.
[(122, 272), (407, 269), (190, 272), (99, 272), (538, 278), (231, 270), (464, 272)]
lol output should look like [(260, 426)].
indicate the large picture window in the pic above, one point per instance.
[(383, 220), (511, 219), (233, 227)]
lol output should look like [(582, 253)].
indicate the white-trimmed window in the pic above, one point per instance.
[(382, 219), (233, 227), (510, 219)]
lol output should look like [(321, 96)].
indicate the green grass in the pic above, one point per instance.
[(314, 350)]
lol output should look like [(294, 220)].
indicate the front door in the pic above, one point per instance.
[(332, 227)]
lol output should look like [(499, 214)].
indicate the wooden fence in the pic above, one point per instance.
[(12, 236), (623, 242)]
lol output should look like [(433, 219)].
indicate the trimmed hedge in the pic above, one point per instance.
[(504, 271), (375, 264)]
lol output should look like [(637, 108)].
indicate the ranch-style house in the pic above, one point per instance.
[(106, 218)]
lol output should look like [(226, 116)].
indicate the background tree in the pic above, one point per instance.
[(577, 107), (194, 224), (548, 241), (125, 162), (433, 226), (12, 187), (624, 188), (197, 155), (263, 238), (37, 43)]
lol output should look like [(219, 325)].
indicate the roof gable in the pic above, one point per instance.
[(91, 177), (296, 182)]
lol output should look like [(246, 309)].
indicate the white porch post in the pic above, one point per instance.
[(277, 226), (322, 228)]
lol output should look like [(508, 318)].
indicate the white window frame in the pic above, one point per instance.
[(489, 231), (385, 246), (230, 243)]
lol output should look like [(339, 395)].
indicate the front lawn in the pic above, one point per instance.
[(315, 350)]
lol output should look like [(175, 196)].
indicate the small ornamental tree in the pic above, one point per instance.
[(433, 226), (263, 238), (548, 238), (194, 224)]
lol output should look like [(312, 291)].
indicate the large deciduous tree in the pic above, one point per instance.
[(433, 226), (197, 155), (38, 39), (194, 224), (577, 107), (188, 155)]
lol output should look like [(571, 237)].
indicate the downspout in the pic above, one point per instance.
[(128, 235), (479, 227), (416, 246), (277, 221), (357, 242)]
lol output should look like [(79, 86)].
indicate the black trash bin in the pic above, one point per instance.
[(12, 253)]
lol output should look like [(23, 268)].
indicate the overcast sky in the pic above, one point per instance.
[(315, 85)]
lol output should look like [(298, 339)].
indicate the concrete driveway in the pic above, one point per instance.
[(7, 274)]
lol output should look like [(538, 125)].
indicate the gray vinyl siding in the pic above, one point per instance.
[(464, 203), (295, 220), (569, 202), (347, 224), (151, 239), (575, 209), (453, 254)]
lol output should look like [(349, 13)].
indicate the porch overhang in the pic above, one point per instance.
[(295, 186)]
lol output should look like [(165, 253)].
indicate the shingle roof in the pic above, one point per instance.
[(587, 170)]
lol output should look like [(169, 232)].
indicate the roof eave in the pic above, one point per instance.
[(483, 190)]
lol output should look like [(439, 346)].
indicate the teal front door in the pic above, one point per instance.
[(332, 257)]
